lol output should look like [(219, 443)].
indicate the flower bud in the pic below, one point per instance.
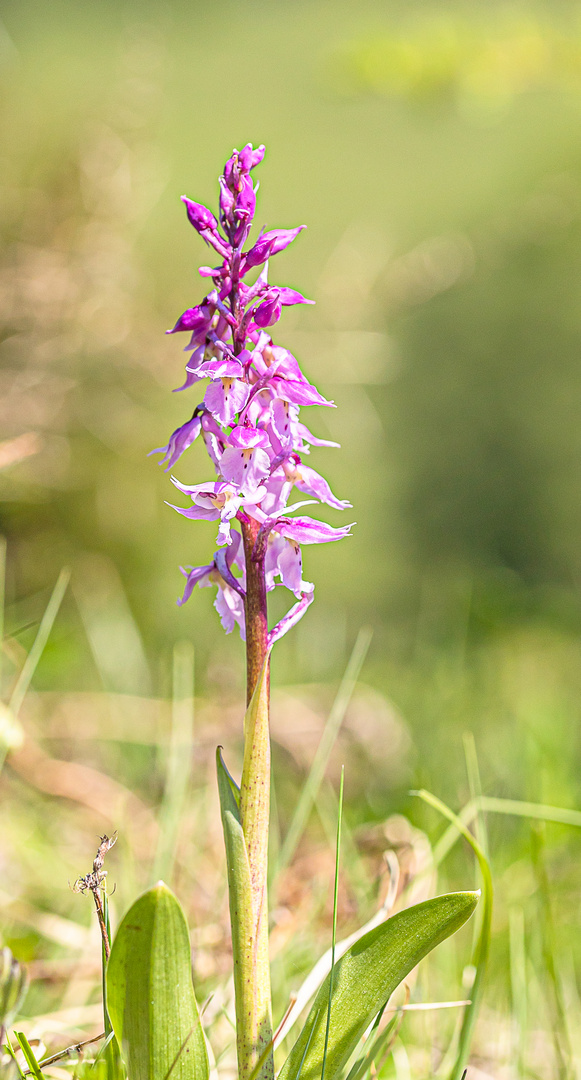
[(269, 311)]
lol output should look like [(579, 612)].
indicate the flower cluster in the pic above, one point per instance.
[(249, 417)]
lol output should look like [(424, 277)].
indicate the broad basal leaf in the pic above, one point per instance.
[(150, 995), (365, 977)]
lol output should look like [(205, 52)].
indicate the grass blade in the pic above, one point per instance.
[(315, 778), (513, 807), (28, 1054), (334, 936), (311, 984), (518, 982), (483, 941), (179, 763), (42, 636), (14, 1058), (555, 994), (475, 786), (2, 603)]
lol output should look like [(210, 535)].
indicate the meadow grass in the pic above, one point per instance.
[(528, 1023)]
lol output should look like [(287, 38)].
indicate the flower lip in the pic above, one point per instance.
[(246, 438)]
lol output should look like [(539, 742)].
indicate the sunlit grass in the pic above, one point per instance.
[(529, 988)]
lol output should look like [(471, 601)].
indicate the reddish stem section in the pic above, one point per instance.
[(255, 608)]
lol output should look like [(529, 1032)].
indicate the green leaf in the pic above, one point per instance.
[(366, 976), (240, 897), (29, 1055), (150, 995)]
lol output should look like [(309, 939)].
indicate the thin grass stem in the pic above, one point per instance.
[(518, 983), (559, 1030), (179, 763), (42, 636), (2, 604), (321, 759), (480, 955), (334, 936)]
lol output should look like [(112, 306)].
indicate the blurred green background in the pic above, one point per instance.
[(434, 151)]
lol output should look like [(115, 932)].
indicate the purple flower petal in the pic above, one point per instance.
[(245, 158), (230, 608), (269, 311), (227, 201), (192, 378), (226, 397), (196, 319), (222, 368), (270, 243), (246, 201), (246, 469), (194, 576), (223, 561), (294, 615), (299, 393), (257, 155), (312, 483), (196, 513), (199, 216), (289, 297), (246, 437), (283, 559), (179, 441), (306, 530), (206, 225), (308, 437)]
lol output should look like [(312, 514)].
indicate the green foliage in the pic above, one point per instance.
[(150, 995), (312, 786), (13, 983), (14, 1059), (240, 897), (466, 59), (31, 1061), (366, 976), (334, 936), (482, 945)]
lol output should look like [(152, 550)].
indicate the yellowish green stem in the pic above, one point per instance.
[(253, 1010)]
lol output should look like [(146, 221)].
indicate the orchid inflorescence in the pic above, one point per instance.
[(249, 417)]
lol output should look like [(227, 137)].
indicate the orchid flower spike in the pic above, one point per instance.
[(249, 415)]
